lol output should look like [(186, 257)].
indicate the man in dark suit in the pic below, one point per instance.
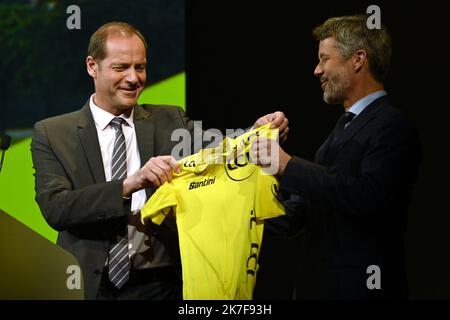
[(96, 168), (352, 201)]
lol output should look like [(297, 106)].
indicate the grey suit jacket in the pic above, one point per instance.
[(72, 192)]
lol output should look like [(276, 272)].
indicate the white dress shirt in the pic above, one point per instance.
[(138, 241)]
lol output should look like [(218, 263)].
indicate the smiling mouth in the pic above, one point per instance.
[(129, 91), (324, 83)]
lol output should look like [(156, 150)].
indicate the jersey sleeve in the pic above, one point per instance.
[(160, 204), (267, 204)]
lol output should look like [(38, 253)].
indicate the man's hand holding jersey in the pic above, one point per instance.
[(266, 152), (278, 120), (154, 173)]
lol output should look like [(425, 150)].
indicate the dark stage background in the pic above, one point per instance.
[(245, 59)]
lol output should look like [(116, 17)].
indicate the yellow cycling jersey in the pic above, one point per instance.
[(220, 200)]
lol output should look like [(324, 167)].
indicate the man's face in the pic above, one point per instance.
[(120, 77), (334, 72)]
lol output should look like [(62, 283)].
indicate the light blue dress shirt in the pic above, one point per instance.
[(361, 104)]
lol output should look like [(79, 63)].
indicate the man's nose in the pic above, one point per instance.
[(132, 76), (318, 71)]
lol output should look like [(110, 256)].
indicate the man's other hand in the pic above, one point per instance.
[(268, 154)]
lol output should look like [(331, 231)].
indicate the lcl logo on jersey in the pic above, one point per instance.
[(240, 161), (275, 190)]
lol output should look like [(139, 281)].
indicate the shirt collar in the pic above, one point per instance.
[(361, 104), (102, 118)]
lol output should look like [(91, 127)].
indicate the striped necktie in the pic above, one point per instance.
[(119, 261)]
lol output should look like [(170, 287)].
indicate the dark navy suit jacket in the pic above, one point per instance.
[(353, 207)]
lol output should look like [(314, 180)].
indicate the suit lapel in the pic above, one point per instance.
[(144, 136), (359, 122), (87, 134), (322, 154)]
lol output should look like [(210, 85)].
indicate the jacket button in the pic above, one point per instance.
[(97, 272)]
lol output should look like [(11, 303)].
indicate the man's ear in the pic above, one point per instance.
[(359, 58), (91, 66)]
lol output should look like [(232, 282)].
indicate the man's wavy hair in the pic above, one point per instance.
[(351, 34)]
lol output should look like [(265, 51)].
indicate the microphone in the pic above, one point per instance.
[(4, 145)]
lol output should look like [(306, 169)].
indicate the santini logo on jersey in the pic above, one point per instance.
[(206, 182)]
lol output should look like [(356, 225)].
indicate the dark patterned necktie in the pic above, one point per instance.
[(119, 261)]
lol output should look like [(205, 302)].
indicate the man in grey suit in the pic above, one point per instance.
[(96, 167)]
